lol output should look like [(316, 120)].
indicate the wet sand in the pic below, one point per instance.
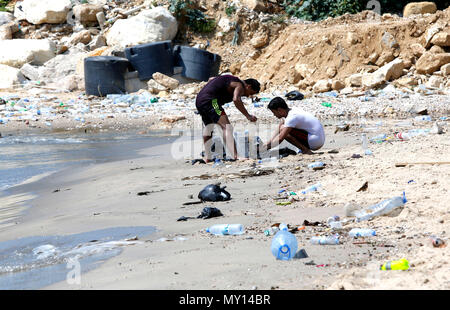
[(105, 195)]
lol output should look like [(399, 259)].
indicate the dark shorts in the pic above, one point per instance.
[(301, 135), (210, 112)]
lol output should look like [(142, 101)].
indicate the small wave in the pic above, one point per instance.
[(39, 140)]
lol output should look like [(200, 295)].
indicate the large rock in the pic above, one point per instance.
[(441, 39), (417, 49), (5, 18), (148, 26), (10, 77), (255, 5), (419, 8), (86, 13), (445, 69), (435, 82), (165, 80), (260, 40), (46, 11), (16, 53), (388, 72), (354, 80), (61, 66), (322, 86), (430, 62), (305, 71)]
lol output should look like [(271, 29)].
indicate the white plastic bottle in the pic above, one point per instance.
[(361, 232), (312, 188), (284, 244), (325, 240), (226, 229), (382, 208), (316, 164)]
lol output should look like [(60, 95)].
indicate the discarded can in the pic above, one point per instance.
[(437, 242), (401, 264)]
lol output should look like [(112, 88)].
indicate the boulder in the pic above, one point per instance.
[(337, 85), (406, 81), (165, 81), (304, 70), (386, 56), (86, 13), (429, 62), (441, 39), (154, 87), (254, 5), (16, 53), (260, 40), (46, 11), (225, 24), (5, 18), (148, 26), (437, 49), (322, 86), (352, 38), (61, 66), (5, 32), (435, 82), (30, 72), (417, 49), (83, 36), (430, 33), (10, 77), (354, 80), (388, 72), (414, 8), (331, 72), (445, 69)]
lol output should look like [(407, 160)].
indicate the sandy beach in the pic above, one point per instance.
[(181, 255)]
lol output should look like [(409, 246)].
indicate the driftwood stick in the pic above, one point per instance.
[(423, 163)]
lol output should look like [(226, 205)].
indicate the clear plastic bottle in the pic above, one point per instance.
[(226, 229), (382, 208), (423, 118), (364, 142), (316, 164), (325, 240), (218, 163), (379, 138), (362, 232), (312, 188), (271, 231), (284, 244), (411, 133)]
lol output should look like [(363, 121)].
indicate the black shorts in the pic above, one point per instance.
[(210, 112), (301, 135)]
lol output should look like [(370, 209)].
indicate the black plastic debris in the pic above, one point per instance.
[(201, 161), (301, 254), (214, 192), (294, 95), (209, 212)]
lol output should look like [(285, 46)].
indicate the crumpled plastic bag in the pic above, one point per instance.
[(294, 95), (214, 192), (209, 212)]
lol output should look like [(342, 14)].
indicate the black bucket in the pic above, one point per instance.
[(150, 58), (197, 64), (104, 75)]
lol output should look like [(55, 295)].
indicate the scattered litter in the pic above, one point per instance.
[(385, 207), (207, 212), (294, 95), (226, 229), (437, 242), (364, 187), (214, 192), (361, 232), (401, 264), (200, 161), (318, 165), (325, 240), (327, 104), (301, 254), (284, 244)]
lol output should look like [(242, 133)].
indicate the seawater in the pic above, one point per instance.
[(25, 156), (35, 262)]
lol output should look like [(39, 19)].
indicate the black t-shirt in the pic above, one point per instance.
[(216, 89)]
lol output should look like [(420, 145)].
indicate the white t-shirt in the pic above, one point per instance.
[(300, 119)]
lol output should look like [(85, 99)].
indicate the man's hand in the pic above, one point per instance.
[(252, 118)]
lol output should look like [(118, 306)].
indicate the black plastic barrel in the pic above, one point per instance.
[(197, 64), (150, 58), (104, 75)]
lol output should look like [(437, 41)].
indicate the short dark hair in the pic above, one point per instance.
[(277, 103), (254, 84)]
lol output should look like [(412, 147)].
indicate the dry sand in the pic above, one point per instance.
[(105, 195)]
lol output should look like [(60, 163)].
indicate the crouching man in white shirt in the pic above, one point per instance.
[(300, 128)]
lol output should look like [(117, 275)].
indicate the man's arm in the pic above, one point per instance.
[(278, 138), (237, 93)]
